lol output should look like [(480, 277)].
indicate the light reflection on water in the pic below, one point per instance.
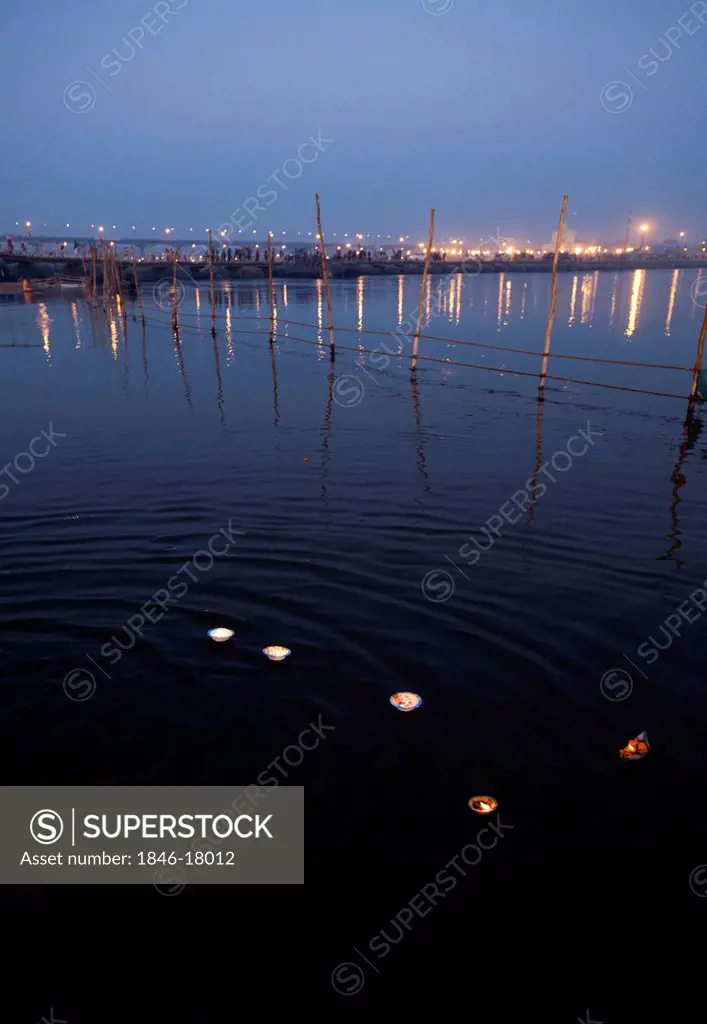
[(639, 308)]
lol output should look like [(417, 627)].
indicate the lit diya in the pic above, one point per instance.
[(406, 701), (276, 653), (483, 804), (635, 749), (220, 634)]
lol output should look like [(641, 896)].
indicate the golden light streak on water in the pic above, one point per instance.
[(44, 322), (401, 280), (587, 288), (637, 285), (614, 291), (499, 317), (229, 336), (320, 319), (75, 318), (573, 300), (671, 302), (113, 335), (359, 300)]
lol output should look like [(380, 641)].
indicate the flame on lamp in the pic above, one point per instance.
[(483, 804)]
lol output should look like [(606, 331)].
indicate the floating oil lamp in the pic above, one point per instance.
[(483, 804), (406, 701), (220, 634), (276, 653), (635, 749)]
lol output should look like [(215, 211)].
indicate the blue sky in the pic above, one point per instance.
[(487, 111)]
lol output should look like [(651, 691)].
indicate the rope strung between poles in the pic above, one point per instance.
[(472, 344), (446, 362)]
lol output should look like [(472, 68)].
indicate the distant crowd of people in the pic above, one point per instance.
[(224, 254)]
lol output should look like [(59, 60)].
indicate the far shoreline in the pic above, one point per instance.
[(15, 267)]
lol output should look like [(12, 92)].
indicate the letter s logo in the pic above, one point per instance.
[(79, 100), (46, 827)]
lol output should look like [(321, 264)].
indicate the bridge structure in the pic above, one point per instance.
[(144, 246)]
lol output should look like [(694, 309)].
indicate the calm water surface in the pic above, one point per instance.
[(354, 491)]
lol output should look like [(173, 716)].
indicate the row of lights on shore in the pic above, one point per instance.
[(170, 231), (508, 250)]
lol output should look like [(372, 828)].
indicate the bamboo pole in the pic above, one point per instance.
[(325, 276), (137, 285), (106, 276), (553, 294), (94, 272), (423, 285), (211, 283), (271, 291)]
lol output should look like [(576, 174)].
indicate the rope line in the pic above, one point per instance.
[(460, 341), (433, 359)]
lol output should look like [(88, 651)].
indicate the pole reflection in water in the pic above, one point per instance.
[(96, 322), (538, 456), (522, 299), (359, 301), (124, 328), (634, 312), (499, 317), (419, 439), (275, 402), (180, 363), (690, 432), (219, 382), (326, 454), (145, 370)]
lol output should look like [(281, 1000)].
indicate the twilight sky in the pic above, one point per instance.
[(487, 111)]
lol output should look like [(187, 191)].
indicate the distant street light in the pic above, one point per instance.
[(644, 229)]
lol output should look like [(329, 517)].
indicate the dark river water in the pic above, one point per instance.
[(512, 563)]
